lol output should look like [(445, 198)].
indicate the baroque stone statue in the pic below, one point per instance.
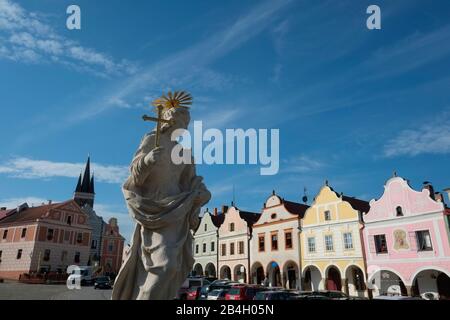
[(164, 199)]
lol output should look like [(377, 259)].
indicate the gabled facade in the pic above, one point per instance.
[(332, 254), (234, 240), (406, 237), (45, 238), (205, 245), (274, 244), (112, 248)]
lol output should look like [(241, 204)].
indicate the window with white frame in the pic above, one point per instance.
[(327, 215), (329, 243), (311, 244), (424, 240), (348, 241)]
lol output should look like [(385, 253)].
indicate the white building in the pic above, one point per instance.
[(205, 244), (274, 245), (234, 238)]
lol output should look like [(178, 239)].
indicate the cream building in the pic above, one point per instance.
[(234, 239), (274, 245), (205, 244), (332, 254)]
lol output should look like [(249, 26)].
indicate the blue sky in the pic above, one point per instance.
[(352, 105)]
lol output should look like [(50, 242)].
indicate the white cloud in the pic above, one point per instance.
[(192, 65), (26, 37), (301, 164), (430, 138), (15, 202), (26, 168)]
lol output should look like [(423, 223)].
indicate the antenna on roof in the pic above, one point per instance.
[(305, 197), (234, 195)]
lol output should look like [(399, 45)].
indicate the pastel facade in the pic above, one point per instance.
[(205, 248), (234, 238), (44, 238), (274, 244), (112, 247), (406, 238), (332, 254)]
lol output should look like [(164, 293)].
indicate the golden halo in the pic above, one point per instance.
[(177, 99)]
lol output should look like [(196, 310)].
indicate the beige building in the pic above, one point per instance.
[(234, 244), (46, 238), (332, 252), (274, 245)]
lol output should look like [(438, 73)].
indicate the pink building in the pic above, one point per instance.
[(406, 241)]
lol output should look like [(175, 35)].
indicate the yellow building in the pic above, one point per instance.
[(332, 256)]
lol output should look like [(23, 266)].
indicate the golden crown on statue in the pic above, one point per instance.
[(177, 99)]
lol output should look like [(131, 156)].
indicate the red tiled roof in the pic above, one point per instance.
[(5, 213), (32, 213)]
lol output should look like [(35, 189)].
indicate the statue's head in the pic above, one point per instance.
[(179, 118)]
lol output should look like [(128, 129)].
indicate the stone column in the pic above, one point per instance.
[(345, 287)]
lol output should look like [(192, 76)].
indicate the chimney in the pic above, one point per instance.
[(224, 209), (215, 212), (427, 185), (49, 202)]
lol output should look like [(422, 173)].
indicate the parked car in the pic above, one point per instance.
[(217, 294), (273, 295), (332, 294), (190, 283), (82, 274), (243, 292), (193, 293), (396, 298), (215, 285), (102, 283)]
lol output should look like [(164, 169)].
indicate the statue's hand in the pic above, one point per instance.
[(154, 156)]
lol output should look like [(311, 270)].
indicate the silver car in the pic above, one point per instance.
[(218, 294)]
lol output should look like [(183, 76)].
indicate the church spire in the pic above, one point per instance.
[(78, 187), (85, 185), (84, 191), (91, 185)]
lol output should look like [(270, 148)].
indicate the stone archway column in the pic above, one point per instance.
[(323, 284), (345, 288), (409, 290)]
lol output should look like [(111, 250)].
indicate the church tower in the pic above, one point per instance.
[(84, 191)]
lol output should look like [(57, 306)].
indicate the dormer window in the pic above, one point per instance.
[(273, 216), (399, 211), (327, 215), (231, 227)]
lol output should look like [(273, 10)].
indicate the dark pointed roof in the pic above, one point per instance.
[(85, 185), (78, 187), (218, 219), (357, 204), (249, 217), (91, 186), (295, 207)]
